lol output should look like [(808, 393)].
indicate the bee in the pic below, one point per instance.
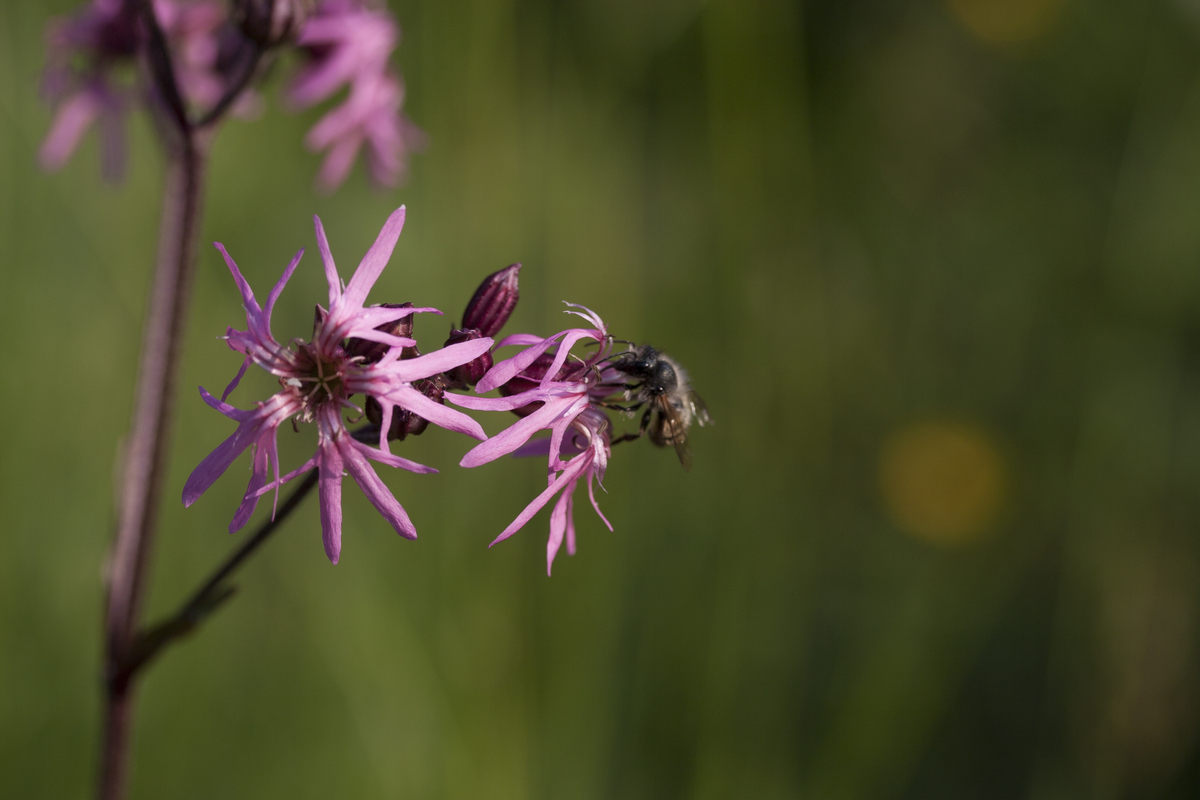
[(660, 384)]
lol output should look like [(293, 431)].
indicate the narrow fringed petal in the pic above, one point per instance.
[(372, 335), (519, 339), (380, 496), (215, 463), (260, 465), (329, 488), (253, 311), (277, 289), (274, 485), (374, 261), (516, 435), (337, 164), (443, 360), (320, 80), (71, 122), (385, 426), (509, 368), (534, 447), (589, 315), (558, 524), (278, 481), (560, 428), (396, 461), (569, 493), (408, 397), (251, 425), (378, 315), (571, 338), (233, 384), (568, 475), (500, 403), (595, 505), (257, 342), (331, 273)]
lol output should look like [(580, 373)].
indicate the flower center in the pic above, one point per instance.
[(321, 381)]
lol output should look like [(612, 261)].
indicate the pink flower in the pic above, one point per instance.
[(91, 54), (205, 47), (350, 46), (76, 112), (565, 397), (317, 380), (81, 53)]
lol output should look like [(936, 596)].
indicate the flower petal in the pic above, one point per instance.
[(516, 435), (519, 338), (331, 273), (374, 261), (595, 505), (448, 418), (558, 524), (568, 475), (507, 369), (329, 487), (215, 463), (396, 461), (71, 122), (560, 428), (570, 495), (248, 301), (534, 447), (564, 350), (258, 477), (277, 289), (447, 358), (380, 496), (535, 395), (236, 378)]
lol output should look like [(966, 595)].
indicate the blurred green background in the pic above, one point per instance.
[(935, 266)]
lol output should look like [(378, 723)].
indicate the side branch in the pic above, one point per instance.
[(161, 67), (213, 593), (145, 455)]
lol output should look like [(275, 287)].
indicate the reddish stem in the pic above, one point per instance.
[(147, 445)]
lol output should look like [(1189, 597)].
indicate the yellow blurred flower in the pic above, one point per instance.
[(942, 482), (1006, 22)]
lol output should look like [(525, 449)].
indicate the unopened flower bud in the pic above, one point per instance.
[(372, 352), (493, 302), (404, 422), (470, 373), (271, 22)]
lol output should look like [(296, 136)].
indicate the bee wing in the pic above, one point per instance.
[(699, 409), (675, 428)]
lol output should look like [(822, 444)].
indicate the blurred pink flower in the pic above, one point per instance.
[(204, 46), (92, 62), (350, 45), (563, 396), (318, 378), (82, 51)]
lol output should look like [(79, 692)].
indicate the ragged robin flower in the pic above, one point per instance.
[(349, 44), (317, 381), (553, 389), (92, 63)]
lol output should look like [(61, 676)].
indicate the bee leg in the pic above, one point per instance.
[(626, 410), (642, 428)]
